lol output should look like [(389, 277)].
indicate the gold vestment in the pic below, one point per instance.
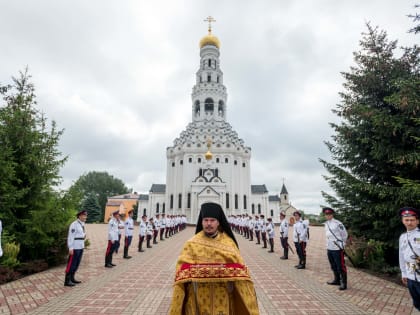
[(212, 279)]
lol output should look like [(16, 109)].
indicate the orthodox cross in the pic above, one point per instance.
[(210, 19)]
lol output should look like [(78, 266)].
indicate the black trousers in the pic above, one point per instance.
[(336, 259)]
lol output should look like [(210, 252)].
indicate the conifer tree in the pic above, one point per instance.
[(375, 145)]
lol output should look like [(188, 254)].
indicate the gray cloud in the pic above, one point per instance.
[(118, 78)]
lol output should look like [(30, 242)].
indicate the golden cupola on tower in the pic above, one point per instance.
[(210, 39), (208, 154)]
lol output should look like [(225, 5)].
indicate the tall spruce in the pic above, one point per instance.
[(375, 145), (30, 162)]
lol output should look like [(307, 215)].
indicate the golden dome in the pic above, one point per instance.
[(208, 154), (209, 39)]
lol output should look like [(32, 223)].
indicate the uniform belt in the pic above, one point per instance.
[(79, 238), (131, 228)]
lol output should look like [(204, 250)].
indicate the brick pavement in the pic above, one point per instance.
[(143, 284)]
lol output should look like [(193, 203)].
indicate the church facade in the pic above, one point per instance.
[(209, 162)]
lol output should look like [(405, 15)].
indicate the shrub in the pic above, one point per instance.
[(10, 253)]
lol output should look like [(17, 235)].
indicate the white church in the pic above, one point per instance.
[(208, 161)]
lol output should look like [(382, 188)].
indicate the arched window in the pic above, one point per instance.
[(244, 201), (197, 107), (236, 201), (253, 208), (227, 201), (272, 212), (220, 108), (259, 209), (172, 202), (209, 105), (163, 207), (189, 200), (157, 207), (179, 201)]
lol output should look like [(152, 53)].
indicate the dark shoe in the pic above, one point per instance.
[(336, 280), (149, 246), (127, 257), (113, 265), (284, 257), (301, 267), (74, 280), (140, 250), (343, 281), (69, 284), (108, 266), (271, 251)]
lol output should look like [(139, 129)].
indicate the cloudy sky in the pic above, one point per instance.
[(118, 76)]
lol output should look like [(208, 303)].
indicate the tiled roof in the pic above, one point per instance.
[(158, 188), (284, 190), (258, 189), (273, 198)]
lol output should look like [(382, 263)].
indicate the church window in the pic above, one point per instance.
[(218, 145), (179, 201), (197, 107), (200, 172), (217, 160), (253, 208), (272, 212), (163, 207), (189, 160), (181, 162), (199, 160), (226, 160), (208, 105), (227, 201), (144, 211), (235, 162), (157, 207), (285, 197), (208, 78), (259, 209), (244, 201), (172, 202), (216, 172), (243, 164), (173, 164), (218, 79), (189, 200), (198, 145), (209, 62), (220, 107), (236, 201)]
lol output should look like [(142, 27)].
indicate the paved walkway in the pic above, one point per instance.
[(143, 284)]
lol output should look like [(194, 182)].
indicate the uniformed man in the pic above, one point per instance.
[(128, 232), (300, 238), (120, 230), (270, 233), (156, 228), (149, 232), (284, 235), (336, 237), (251, 225), (257, 229), (162, 226), (76, 244), (142, 232), (112, 239), (409, 253), (263, 230)]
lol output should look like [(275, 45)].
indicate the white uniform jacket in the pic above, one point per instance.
[(129, 226), (76, 235), (410, 258), (284, 228), (336, 234), (113, 230)]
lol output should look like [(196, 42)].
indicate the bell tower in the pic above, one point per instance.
[(209, 94)]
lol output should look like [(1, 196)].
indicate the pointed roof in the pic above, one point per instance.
[(283, 190)]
